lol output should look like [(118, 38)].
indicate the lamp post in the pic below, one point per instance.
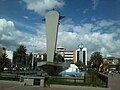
[(33, 45), (81, 47), (32, 58)]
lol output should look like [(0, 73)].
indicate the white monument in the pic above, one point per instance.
[(52, 21)]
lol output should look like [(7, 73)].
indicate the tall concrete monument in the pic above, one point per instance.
[(52, 21)]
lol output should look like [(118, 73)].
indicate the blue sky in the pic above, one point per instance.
[(95, 23)]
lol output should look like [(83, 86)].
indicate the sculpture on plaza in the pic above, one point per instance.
[(52, 20)]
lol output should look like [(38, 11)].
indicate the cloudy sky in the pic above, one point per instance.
[(95, 23)]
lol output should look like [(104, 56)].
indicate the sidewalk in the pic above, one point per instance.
[(114, 81), (13, 85), (66, 87)]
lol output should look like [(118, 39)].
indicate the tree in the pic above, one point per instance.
[(79, 64), (89, 64), (96, 59), (5, 61), (21, 55), (58, 58)]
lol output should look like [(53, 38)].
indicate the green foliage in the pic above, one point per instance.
[(89, 64), (96, 59), (79, 64), (9, 78), (5, 61), (20, 56), (58, 58)]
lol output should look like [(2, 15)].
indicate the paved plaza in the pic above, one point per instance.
[(113, 84), (12, 85), (114, 81)]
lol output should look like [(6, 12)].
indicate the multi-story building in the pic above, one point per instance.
[(81, 55), (60, 50), (112, 62), (69, 56), (73, 55)]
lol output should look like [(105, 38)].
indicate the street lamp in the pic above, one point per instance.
[(32, 58), (33, 45), (33, 52), (81, 46)]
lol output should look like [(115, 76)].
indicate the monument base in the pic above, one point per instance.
[(52, 68)]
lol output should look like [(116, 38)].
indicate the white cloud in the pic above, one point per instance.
[(70, 36), (10, 37), (104, 23), (41, 6), (95, 3), (109, 25), (67, 39), (35, 41)]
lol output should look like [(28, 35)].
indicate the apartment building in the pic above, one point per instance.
[(69, 56)]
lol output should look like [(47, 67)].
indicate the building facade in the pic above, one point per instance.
[(112, 62), (81, 55), (69, 56), (60, 50), (73, 55), (40, 56)]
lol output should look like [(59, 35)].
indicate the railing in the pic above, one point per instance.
[(64, 80), (103, 78), (88, 80), (98, 77)]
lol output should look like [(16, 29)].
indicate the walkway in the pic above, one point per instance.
[(8, 85), (114, 81)]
